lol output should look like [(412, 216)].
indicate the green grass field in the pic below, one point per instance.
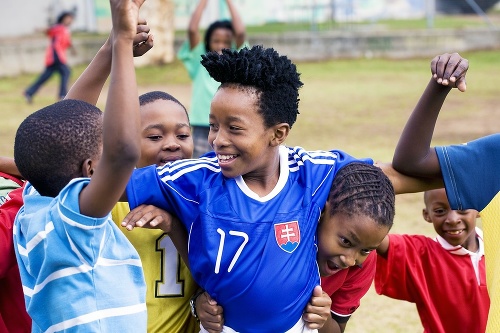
[(359, 106)]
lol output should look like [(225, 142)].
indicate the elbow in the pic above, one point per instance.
[(124, 154)]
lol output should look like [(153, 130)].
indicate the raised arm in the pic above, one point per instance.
[(89, 85), (121, 123), (238, 25), (194, 35), (414, 155)]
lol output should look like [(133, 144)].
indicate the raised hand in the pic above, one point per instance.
[(449, 70)]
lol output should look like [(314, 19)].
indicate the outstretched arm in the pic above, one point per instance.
[(238, 25), (414, 155), (194, 35), (121, 120)]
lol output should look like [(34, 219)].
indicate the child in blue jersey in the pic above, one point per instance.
[(344, 245), (252, 206), (68, 249)]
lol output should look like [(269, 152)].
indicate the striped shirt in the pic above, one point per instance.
[(78, 273)]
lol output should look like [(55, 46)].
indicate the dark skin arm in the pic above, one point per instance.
[(238, 25), (414, 156), (194, 35), (7, 165), (121, 120)]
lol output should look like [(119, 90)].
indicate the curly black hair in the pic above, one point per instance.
[(52, 143), (273, 77), (221, 24), (363, 189), (153, 96)]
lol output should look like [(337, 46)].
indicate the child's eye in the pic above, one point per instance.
[(154, 137), (345, 241), (234, 128), (439, 211), (183, 136)]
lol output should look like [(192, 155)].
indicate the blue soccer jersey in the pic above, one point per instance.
[(79, 273), (255, 255)]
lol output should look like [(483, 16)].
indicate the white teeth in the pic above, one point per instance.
[(225, 157), (456, 232)]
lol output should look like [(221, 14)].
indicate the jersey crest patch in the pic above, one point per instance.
[(287, 235)]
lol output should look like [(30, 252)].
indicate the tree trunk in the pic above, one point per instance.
[(160, 17)]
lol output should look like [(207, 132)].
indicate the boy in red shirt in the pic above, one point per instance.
[(440, 275), (55, 56)]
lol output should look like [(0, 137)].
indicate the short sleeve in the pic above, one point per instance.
[(191, 58), (357, 283), (397, 275), (470, 172)]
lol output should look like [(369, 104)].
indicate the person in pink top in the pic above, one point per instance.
[(55, 57)]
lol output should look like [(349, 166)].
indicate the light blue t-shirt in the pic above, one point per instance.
[(79, 274)]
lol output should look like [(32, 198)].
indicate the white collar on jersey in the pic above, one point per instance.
[(459, 250), (284, 170)]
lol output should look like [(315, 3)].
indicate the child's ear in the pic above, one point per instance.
[(280, 134), (87, 168), (426, 216)]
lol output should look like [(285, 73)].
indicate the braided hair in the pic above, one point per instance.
[(363, 189), (263, 71)]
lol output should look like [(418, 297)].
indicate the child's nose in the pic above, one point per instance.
[(171, 145), (348, 260)]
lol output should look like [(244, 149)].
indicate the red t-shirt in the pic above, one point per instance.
[(447, 283), (348, 286), (13, 316), (60, 40)]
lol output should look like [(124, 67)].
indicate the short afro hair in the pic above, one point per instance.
[(274, 78), (221, 24), (363, 189), (52, 143), (153, 96)]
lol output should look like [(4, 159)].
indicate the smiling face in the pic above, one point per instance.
[(243, 144), (457, 227), (165, 135), (345, 241)]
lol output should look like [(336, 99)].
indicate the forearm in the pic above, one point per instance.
[(238, 25), (8, 165), (331, 326), (194, 24), (179, 237), (407, 184), (89, 85), (413, 154)]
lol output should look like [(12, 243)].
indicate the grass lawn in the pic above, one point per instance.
[(359, 106)]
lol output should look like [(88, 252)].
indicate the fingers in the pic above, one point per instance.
[(147, 216), (143, 46), (209, 313), (450, 70)]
